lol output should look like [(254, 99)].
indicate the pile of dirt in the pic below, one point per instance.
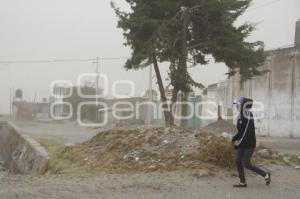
[(157, 149), (220, 127), (146, 150), (2, 165), (130, 122)]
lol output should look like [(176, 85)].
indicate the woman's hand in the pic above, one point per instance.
[(233, 141)]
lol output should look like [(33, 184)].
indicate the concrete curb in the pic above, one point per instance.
[(21, 153)]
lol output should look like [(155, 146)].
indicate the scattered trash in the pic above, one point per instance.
[(165, 142), (264, 153), (226, 135), (291, 160), (287, 160), (275, 156), (152, 167), (131, 156), (69, 144)]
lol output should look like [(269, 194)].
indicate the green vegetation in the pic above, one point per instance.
[(186, 32)]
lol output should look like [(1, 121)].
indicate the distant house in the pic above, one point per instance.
[(26, 111), (59, 109)]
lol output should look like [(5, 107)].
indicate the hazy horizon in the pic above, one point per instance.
[(74, 29)]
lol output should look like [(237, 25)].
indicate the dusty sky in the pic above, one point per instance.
[(81, 29)]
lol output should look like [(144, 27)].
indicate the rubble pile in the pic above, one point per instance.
[(218, 151), (129, 122), (158, 149), (2, 165), (220, 127), (277, 157), (290, 160), (146, 150)]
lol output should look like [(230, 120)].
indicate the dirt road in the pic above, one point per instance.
[(66, 132), (175, 185), (286, 184)]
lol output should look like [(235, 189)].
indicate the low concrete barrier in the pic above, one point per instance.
[(21, 153)]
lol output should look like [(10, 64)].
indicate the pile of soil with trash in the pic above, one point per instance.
[(220, 127), (157, 149), (146, 150), (3, 168)]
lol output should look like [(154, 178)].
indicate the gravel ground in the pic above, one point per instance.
[(175, 185), (178, 185)]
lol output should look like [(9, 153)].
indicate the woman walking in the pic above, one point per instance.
[(245, 142)]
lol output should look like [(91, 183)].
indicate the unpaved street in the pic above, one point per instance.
[(286, 184), (67, 132), (173, 185)]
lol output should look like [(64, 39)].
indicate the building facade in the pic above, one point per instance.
[(278, 91)]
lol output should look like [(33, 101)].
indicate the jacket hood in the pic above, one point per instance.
[(245, 102)]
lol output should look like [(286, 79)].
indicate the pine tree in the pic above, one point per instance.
[(188, 31)]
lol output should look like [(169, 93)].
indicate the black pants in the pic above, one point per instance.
[(243, 159)]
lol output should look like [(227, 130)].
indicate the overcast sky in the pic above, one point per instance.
[(81, 29)]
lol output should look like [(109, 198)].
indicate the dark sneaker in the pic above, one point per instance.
[(268, 179), (240, 185)]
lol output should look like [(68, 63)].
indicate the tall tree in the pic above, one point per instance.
[(185, 31), (141, 28)]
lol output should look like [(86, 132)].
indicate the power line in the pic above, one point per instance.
[(59, 60), (45, 61), (113, 58), (121, 58)]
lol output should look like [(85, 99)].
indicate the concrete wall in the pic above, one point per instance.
[(297, 35), (21, 153), (219, 98), (278, 91), (207, 109)]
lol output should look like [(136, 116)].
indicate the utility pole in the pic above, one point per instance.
[(97, 86), (13, 101), (150, 83), (34, 98), (10, 104), (97, 78), (183, 65), (150, 111)]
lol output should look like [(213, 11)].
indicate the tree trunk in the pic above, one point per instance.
[(167, 113), (174, 100), (184, 111)]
